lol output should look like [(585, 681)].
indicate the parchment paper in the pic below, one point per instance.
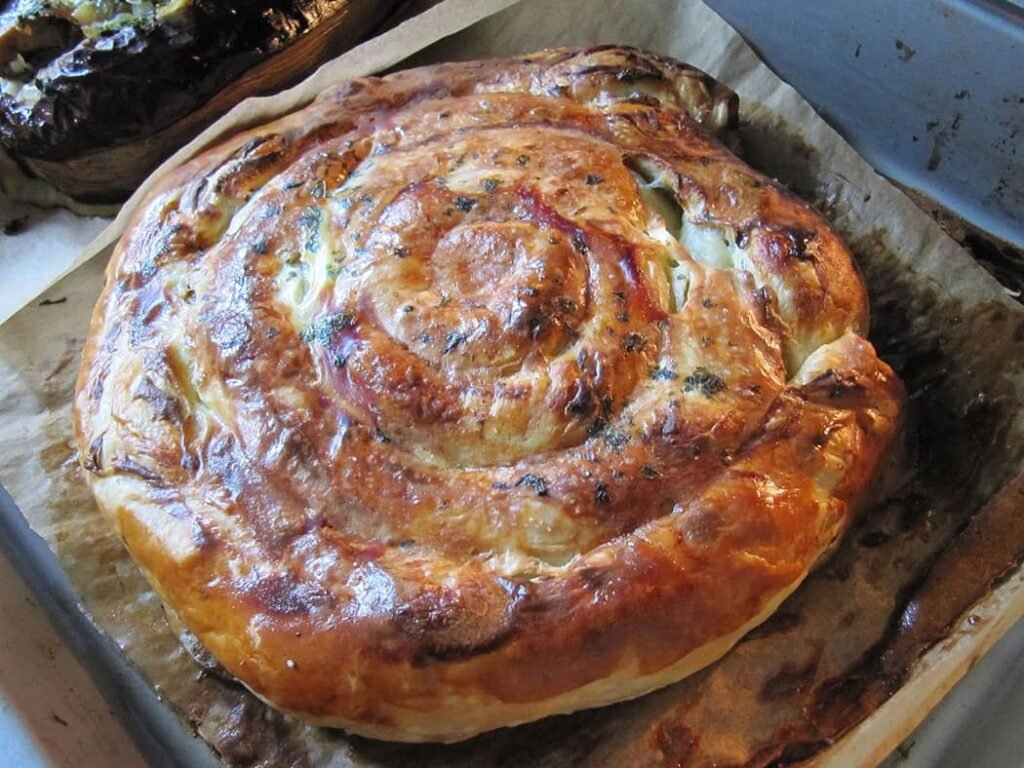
[(939, 318), (36, 246)]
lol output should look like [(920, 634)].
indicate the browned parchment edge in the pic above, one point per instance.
[(940, 668)]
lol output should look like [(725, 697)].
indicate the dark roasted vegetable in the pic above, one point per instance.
[(94, 94)]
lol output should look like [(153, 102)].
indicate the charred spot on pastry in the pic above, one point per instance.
[(283, 594), (832, 385), (799, 242), (464, 203), (453, 340), (92, 460), (537, 483), (615, 438), (633, 342), (129, 466), (583, 400), (704, 382), (648, 472), (451, 626), (165, 406), (322, 329)]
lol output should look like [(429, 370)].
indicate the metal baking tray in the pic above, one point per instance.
[(929, 91)]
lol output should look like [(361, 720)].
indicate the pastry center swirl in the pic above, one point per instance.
[(467, 312)]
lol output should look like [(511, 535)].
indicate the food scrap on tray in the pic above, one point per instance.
[(94, 94)]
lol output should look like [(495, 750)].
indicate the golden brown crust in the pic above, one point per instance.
[(413, 409)]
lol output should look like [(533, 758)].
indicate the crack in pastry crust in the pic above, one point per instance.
[(480, 392)]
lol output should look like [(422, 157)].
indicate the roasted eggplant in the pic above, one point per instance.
[(93, 95)]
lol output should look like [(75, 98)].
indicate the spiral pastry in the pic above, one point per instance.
[(480, 392)]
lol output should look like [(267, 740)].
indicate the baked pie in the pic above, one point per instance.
[(480, 392)]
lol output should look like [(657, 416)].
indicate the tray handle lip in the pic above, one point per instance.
[(1005, 11)]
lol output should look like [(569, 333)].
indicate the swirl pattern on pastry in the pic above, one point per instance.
[(480, 392)]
